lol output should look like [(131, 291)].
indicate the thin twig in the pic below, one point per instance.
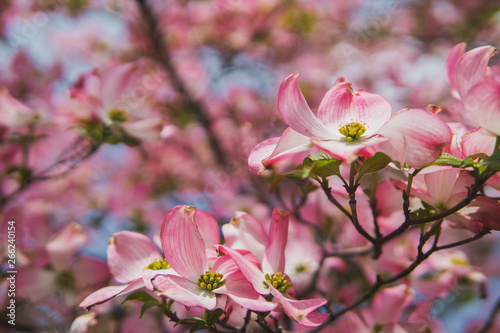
[(163, 58)]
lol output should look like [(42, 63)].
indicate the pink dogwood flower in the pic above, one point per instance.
[(197, 284), (464, 70), (347, 122), (444, 189), (271, 278), (64, 273), (133, 260)]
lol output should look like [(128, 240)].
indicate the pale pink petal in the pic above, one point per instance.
[(274, 258), (451, 63), (290, 142), (345, 150), (417, 192), (149, 274), (117, 83), (415, 137), (302, 312), (35, 283), (241, 292), (86, 264), (105, 294), (148, 129), (389, 303), (297, 114), (128, 254), (184, 291), (64, 245), (463, 182), (479, 141), (208, 227), (471, 68), (225, 265), (483, 103), (182, 243), (245, 232), (83, 323), (484, 210), (13, 113), (342, 105), (253, 274), (259, 153), (440, 184)]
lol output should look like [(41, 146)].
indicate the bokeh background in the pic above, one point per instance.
[(202, 93)]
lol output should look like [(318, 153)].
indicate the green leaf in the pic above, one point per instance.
[(141, 296), (320, 156), (198, 326), (211, 317), (492, 163), (295, 174), (149, 304), (448, 159), (327, 168), (375, 163)]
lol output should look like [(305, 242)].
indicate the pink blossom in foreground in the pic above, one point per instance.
[(271, 278), (133, 260), (347, 122), (416, 137), (197, 284)]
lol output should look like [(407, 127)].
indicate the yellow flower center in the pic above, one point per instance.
[(158, 264), (117, 115), (352, 131), (278, 281), (210, 281)]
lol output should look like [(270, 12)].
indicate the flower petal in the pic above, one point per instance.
[(86, 264), (389, 304), (128, 254), (483, 103), (241, 292), (208, 227), (253, 274), (415, 137), (245, 232), (182, 243), (64, 245), (83, 323), (440, 184), (341, 105), (451, 64), (225, 265), (345, 150), (479, 141), (472, 67), (184, 291), (149, 274), (302, 312), (105, 294), (36, 283), (290, 142), (296, 113), (259, 153), (274, 258)]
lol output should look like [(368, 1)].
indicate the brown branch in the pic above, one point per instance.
[(163, 58), (491, 318)]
